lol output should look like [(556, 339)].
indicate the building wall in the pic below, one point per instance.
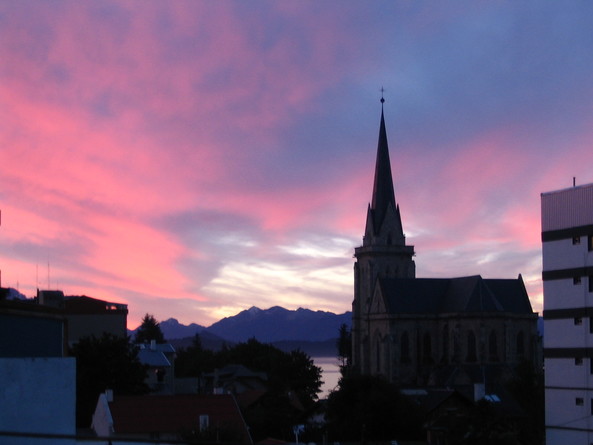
[(29, 334), (84, 325), (37, 395), (567, 231), (434, 342)]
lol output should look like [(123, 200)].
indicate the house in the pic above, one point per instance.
[(430, 332), (91, 316), (38, 391), (567, 247), (235, 379), (30, 330), (212, 418), (160, 359), (86, 316)]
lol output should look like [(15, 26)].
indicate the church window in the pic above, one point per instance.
[(471, 347), (405, 348), (520, 344), (427, 348), (378, 354), (456, 347), (493, 346), (445, 338)]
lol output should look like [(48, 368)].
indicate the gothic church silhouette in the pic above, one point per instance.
[(430, 332)]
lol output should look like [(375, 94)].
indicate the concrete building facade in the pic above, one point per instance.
[(567, 250)]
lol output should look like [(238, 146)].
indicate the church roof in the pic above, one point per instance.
[(472, 294)]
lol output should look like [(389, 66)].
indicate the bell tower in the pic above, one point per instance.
[(383, 254)]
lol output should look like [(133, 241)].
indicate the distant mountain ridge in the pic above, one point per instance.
[(275, 324), (279, 324)]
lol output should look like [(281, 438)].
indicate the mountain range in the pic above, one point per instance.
[(314, 332)]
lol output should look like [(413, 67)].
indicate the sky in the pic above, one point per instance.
[(193, 159)]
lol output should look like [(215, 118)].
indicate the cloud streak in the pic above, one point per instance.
[(193, 159)]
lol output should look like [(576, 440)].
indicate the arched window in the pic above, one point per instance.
[(471, 347), (378, 355), (456, 347), (493, 346), (520, 344), (405, 348), (445, 338), (427, 348)]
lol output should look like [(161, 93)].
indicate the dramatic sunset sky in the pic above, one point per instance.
[(193, 159)]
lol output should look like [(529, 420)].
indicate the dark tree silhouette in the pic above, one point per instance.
[(293, 382), (149, 330), (368, 408), (194, 360), (109, 362), (527, 386), (344, 345)]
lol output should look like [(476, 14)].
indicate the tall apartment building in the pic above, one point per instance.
[(567, 244)]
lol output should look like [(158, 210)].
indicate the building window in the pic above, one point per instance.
[(445, 338), (578, 361), (578, 321), (493, 347), (456, 346), (579, 401), (378, 353), (520, 344), (576, 240), (590, 243), (576, 280), (427, 348), (590, 283), (405, 348), (471, 347)]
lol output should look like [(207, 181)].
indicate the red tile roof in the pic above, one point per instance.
[(175, 413)]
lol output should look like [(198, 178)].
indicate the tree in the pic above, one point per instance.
[(108, 362), (194, 360), (293, 382), (344, 345), (149, 330), (370, 408), (527, 387)]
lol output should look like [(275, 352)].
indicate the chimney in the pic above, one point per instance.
[(109, 395)]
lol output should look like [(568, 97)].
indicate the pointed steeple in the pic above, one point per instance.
[(383, 195)]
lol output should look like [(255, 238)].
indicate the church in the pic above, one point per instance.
[(430, 332)]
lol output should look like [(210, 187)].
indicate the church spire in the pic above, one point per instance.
[(383, 195)]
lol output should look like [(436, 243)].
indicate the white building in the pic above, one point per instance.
[(567, 241), (38, 401)]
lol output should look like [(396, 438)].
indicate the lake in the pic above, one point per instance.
[(330, 374)]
